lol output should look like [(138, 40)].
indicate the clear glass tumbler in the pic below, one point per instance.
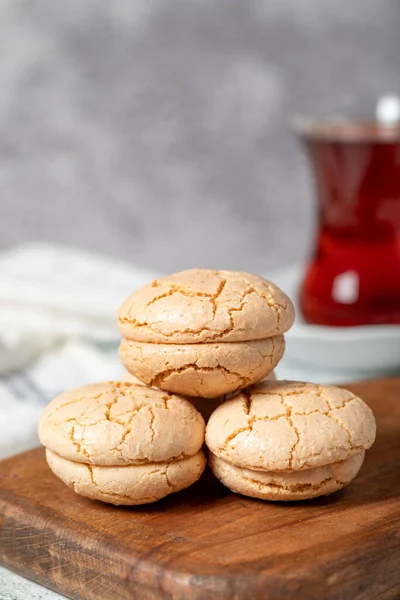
[(353, 277)]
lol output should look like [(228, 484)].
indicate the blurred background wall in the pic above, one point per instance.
[(158, 131)]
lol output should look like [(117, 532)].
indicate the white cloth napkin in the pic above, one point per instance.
[(57, 330)]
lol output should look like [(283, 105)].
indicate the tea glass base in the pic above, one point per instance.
[(334, 354)]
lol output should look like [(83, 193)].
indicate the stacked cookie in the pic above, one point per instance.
[(289, 441), (122, 443), (204, 333), (215, 337)]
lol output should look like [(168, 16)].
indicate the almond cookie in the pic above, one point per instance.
[(263, 440), (287, 485), (204, 333), (204, 370), (131, 484), (97, 431), (200, 305)]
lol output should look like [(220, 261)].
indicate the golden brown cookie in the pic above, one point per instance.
[(123, 443), (118, 423), (287, 485), (288, 427), (200, 305), (203, 370), (131, 484)]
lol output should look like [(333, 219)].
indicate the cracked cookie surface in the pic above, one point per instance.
[(200, 305), (205, 406), (206, 370), (281, 426), (131, 484), (287, 485), (120, 423)]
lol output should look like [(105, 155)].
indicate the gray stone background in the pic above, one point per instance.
[(158, 131)]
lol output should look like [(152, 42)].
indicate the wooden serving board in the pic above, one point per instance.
[(207, 543)]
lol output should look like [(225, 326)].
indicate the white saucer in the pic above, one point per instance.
[(344, 353)]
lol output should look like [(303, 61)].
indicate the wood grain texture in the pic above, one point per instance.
[(207, 543)]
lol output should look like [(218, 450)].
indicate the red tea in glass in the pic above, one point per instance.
[(354, 275)]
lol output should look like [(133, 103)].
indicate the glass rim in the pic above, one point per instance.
[(351, 123), (344, 128)]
